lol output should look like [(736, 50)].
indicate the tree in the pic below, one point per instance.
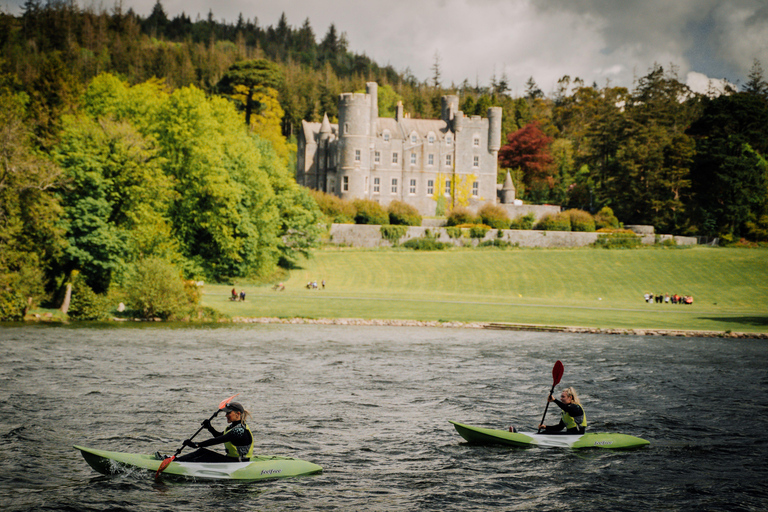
[(532, 91), (528, 149), (30, 237), (116, 200), (243, 80), (729, 174), (757, 84)]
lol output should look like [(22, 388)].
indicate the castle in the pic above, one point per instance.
[(431, 164)]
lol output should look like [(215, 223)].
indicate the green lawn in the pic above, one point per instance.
[(564, 287)]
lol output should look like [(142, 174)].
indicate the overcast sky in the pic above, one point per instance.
[(602, 41)]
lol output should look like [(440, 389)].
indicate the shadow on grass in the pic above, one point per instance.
[(760, 321)]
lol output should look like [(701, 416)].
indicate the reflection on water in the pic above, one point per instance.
[(371, 405)]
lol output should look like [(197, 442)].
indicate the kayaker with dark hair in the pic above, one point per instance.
[(237, 438), (573, 418)]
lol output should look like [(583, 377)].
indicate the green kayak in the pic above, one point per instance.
[(260, 467), (479, 435)]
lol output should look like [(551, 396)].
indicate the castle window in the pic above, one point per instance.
[(394, 157), (430, 187), (431, 160), (376, 185), (475, 188), (449, 139), (431, 138), (377, 157), (413, 158), (476, 141), (412, 189), (346, 128), (448, 188), (385, 135), (345, 183), (448, 160), (414, 138), (357, 155), (476, 161), (394, 185)]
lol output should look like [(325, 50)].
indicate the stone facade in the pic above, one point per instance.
[(431, 164)]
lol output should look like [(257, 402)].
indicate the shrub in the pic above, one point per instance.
[(403, 214), (454, 232), (606, 219), (581, 220), (494, 216), (459, 216), (334, 208), (425, 244), (87, 304), (12, 305), (393, 233), (501, 244), (523, 222), (559, 222), (479, 230), (156, 289), (617, 239), (369, 212)]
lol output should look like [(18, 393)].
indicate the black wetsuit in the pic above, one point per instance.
[(235, 433), (575, 410)]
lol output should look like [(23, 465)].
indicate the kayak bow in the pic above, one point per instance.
[(479, 435), (260, 467)]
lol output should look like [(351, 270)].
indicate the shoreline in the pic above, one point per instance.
[(501, 326)]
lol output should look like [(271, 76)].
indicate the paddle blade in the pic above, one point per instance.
[(164, 465), (224, 403), (557, 373)]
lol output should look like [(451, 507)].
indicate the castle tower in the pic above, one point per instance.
[(355, 132)]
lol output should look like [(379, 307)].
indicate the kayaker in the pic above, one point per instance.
[(572, 418), (237, 437)]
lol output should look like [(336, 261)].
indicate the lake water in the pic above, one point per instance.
[(371, 405)]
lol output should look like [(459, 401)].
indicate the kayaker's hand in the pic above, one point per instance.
[(206, 424), (190, 443), (550, 398), (542, 427)]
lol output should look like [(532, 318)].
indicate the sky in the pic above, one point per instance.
[(607, 42)]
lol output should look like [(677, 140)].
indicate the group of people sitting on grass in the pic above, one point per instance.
[(312, 285), (236, 296), (667, 298)]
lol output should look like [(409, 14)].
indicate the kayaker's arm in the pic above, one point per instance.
[(238, 437), (572, 409), (207, 425)]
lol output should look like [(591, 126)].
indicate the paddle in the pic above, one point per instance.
[(170, 459), (557, 374)]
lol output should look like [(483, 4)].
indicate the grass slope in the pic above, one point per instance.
[(566, 287)]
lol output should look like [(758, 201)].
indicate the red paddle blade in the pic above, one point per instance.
[(224, 403), (164, 465), (557, 373)]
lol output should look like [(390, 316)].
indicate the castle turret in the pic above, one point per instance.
[(449, 105), (494, 129), (372, 89), (399, 111), (508, 190)]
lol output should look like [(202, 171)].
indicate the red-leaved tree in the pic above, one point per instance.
[(528, 149)]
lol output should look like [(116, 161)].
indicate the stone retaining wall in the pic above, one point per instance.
[(358, 235)]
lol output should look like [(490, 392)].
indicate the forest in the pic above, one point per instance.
[(136, 146)]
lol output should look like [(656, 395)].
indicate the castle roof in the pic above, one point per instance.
[(311, 131), (404, 128)]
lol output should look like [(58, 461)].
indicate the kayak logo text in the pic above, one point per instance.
[(602, 443), (271, 471)]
